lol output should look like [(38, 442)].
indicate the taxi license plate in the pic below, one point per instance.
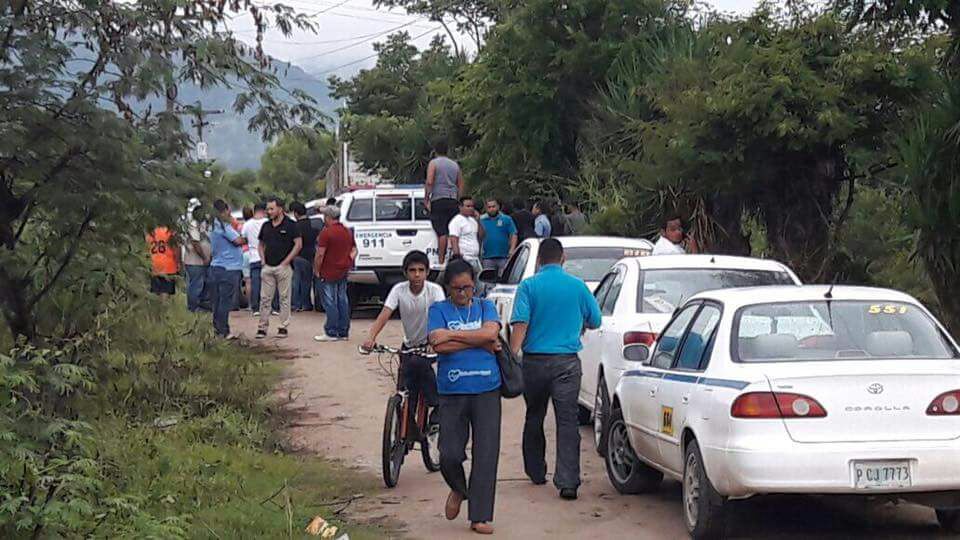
[(882, 474)]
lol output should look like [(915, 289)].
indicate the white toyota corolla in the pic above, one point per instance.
[(811, 389), (637, 297)]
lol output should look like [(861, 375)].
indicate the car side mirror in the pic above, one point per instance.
[(636, 352), (489, 276)]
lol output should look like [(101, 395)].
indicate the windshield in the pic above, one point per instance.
[(592, 263), (665, 289), (824, 330)]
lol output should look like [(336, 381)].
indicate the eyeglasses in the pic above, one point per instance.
[(463, 289)]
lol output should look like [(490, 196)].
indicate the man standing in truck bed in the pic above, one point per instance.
[(442, 194)]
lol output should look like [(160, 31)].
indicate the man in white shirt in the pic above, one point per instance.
[(466, 233), (671, 237), (251, 231)]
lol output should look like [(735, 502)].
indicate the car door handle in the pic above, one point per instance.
[(653, 392), (685, 400)]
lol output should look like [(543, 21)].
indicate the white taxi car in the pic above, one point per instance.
[(811, 389), (387, 223), (587, 257), (637, 297)]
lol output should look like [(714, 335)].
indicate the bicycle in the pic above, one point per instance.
[(398, 437)]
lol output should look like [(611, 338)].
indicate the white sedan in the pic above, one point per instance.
[(587, 257), (812, 389), (637, 297)]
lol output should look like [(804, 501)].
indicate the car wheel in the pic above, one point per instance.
[(949, 519), (583, 415), (703, 507), (601, 409), (627, 473)]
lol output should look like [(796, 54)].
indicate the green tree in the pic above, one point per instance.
[(774, 118), (394, 110), (471, 17), (85, 170), (295, 164)]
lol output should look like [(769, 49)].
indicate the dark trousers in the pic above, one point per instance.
[(198, 288), (459, 416), (302, 284), (417, 375), (552, 377), (224, 287)]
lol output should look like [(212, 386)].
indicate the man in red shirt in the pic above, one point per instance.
[(336, 252)]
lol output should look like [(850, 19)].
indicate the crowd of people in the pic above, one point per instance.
[(300, 264)]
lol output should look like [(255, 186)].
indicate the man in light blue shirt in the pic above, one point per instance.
[(500, 239), (550, 311), (225, 268), (541, 221)]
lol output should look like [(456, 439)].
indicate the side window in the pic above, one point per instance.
[(360, 210), (519, 264), (601, 293), (694, 347), (420, 210), (610, 302), (392, 209), (671, 337)]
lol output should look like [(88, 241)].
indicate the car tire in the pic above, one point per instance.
[(703, 507), (601, 412), (628, 474), (583, 415), (949, 519)]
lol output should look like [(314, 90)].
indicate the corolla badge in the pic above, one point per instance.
[(875, 388)]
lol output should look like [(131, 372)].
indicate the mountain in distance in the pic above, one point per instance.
[(228, 140)]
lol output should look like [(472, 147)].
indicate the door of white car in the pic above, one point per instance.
[(592, 341), (680, 392), (611, 341), (502, 294), (646, 411)]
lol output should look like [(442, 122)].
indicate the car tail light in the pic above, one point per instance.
[(646, 338), (776, 405), (946, 404)]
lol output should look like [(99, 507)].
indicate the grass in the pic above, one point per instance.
[(229, 490)]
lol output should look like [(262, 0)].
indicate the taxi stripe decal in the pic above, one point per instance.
[(693, 379)]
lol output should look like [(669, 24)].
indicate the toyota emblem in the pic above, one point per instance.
[(875, 388)]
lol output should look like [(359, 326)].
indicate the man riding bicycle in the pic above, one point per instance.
[(413, 297)]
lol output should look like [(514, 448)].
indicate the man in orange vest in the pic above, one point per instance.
[(165, 264)]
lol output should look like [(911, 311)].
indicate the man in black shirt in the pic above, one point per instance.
[(303, 264), (523, 219), (280, 242)]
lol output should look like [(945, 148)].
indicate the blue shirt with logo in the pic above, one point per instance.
[(496, 242), (471, 371), (556, 306), (225, 253)]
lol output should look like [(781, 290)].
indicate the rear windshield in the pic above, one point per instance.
[(592, 263), (666, 289), (837, 330), (393, 208)]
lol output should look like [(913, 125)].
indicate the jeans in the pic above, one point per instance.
[(497, 263), (302, 283), (337, 305), (460, 416), (275, 279), (198, 291), (318, 293), (224, 285), (553, 377)]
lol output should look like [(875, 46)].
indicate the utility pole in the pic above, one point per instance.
[(199, 122)]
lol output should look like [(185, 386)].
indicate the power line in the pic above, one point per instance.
[(352, 45), (374, 55)]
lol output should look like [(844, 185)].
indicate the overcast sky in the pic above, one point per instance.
[(347, 30)]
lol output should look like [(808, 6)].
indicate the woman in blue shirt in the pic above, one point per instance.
[(463, 331)]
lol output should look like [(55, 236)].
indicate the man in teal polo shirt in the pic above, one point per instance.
[(550, 311), (500, 237)]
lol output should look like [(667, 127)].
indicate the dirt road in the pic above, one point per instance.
[(343, 397)]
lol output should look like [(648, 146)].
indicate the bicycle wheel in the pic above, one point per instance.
[(393, 443), (430, 448)]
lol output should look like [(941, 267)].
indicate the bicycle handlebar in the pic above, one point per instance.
[(378, 348)]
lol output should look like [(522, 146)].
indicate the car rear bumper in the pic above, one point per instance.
[(827, 468)]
